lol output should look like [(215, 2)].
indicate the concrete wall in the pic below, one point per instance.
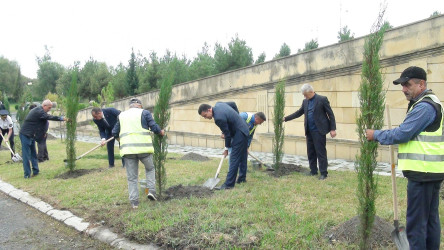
[(334, 71)]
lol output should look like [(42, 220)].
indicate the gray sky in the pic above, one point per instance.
[(106, 30)]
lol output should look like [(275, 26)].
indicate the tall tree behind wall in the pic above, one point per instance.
[(132, 79), (72, 107), (372, 100), (278, 116), (162, 118)]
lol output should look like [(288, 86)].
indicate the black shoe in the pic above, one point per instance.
[(110, 166), (223, 187), (34, 175), (241, 181), (322, 177), (310, 174)]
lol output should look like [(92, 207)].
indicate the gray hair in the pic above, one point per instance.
[(47, 102), (306, 88)]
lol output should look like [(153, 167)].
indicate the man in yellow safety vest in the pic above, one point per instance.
[(420, 157), (133, 129)]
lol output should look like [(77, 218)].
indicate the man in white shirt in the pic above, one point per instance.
[(6, 126)]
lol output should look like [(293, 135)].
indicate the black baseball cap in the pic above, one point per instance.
[(410, 73), (4, 112)]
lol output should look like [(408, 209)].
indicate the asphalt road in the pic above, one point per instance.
[(23, 227)]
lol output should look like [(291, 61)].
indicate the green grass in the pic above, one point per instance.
[(266, 212)]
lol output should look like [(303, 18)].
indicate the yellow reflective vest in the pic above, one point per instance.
[(425, 152), (134, 139), (249, 116)]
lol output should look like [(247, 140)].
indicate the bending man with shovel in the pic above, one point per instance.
[(421, 147), (6, 126), (34, 129)]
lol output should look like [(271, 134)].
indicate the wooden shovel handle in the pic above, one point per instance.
[(94, 148), (7, 144), (393, 172), (255, 158), (220, 165)]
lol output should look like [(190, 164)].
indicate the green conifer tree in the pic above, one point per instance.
[(72, 108), (278, 116), (372, 100)]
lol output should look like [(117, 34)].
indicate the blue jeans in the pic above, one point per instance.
[(423, 226), (29, 154)]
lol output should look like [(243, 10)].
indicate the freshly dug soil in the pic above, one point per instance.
[(194, 157), (349, 232), (180, 192), (286, 169), (77, 173)]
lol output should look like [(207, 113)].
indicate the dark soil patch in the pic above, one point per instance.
[(348, 232), (77, 173), (194, 157), (286, 169), (180, 192)]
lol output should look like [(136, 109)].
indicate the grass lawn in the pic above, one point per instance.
[(266, 212)]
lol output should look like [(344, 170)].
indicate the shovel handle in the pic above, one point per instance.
[(220, 165), (94, 148), (7, 144), (392, 163), (256, 158)]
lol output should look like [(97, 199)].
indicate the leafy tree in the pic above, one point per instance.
[(313, 44), (238, 55), (283, 51), (106, 96), (132, 79), (435, 13), (119, 81), (18, 86), (72, 108), (160, 143), (8, 76), (372, 99), (179, 66), (260, 58), (47, 75), (202, 65), (92, 78), (345, 34), (278, 116)]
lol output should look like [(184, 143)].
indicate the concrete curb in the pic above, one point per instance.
[(98, 232)]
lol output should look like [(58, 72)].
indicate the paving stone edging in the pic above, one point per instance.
[(98, 232)]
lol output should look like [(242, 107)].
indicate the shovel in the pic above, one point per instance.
[(399, 235), (269, 168), (15, 156), (94, 148), (212, 182)]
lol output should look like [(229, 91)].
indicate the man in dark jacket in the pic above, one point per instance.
[(319, 120), (105, 119), (236, 133), (34, 129)]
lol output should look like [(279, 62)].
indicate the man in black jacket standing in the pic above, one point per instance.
[(105, 119), (319, 120), (236, 133), (34, 129)]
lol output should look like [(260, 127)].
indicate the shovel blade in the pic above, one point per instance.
[(399, 237), (16, 158), (211, 183)]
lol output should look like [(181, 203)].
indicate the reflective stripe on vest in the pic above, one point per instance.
[(425, 152), (249, 116), (134, 139)]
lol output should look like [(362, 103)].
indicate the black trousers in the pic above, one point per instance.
[(423, 226), (317, 152), (42, 154), (11, 139)]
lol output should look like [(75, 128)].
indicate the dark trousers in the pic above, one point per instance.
[(317, 152), (42, 154), (110, 149), (423, 227), (11, 139), (238, 159)]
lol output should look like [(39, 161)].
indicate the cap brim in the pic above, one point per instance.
[(401, 80)]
